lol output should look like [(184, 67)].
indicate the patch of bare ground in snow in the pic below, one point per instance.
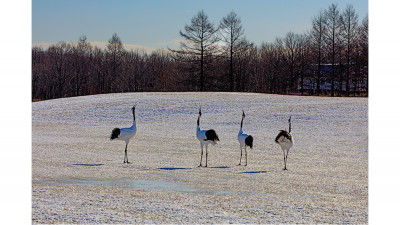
[(78, 174)]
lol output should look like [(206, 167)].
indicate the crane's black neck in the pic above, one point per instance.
[(198, 121), (133, 111), (241, 123), (290, 126)]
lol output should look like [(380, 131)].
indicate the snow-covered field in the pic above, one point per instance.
[(78, 174)]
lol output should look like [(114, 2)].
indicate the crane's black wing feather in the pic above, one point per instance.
[(283, 133), (212, 135), (249, 141), (115, 133)]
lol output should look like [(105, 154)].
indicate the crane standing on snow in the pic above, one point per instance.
[(125, 134), (205, 137), (285, 140), (244, 140)]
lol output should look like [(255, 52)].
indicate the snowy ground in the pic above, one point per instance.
[(78, 174)]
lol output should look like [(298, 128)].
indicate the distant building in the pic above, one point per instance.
[(358, 84)]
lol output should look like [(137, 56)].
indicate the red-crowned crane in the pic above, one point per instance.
[(205, 137), (244, 141), (285, 140), (125, 134)]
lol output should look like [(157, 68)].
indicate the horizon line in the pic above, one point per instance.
[(101, 45)]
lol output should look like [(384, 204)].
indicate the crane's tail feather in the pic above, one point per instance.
[(212, 136), (115, 133), (283, 133), (249, 141)]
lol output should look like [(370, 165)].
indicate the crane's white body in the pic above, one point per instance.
[(201, 136), (125, 134), (241, 138), (286, 143), (285, 140), (205, 137), (242, 141)]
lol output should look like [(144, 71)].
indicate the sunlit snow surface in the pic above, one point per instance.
[(78, 174)]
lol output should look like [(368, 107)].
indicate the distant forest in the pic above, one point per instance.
[(329, 59)]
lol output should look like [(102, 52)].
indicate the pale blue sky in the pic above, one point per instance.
[(156, 23)]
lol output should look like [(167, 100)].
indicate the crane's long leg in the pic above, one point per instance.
[(201, 157), (245, 151), (240, 162), (126, 154), (287, 153), (206, 154), (284, 159)]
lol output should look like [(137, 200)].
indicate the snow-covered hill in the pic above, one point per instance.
[(79, 175)]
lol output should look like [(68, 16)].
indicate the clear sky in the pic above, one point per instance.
[(156, 23)]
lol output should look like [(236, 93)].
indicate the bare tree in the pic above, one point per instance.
[(132, 66), (80, 60), (317, 33), (273, 64), (38, 73), (349, 21), (114, 53), (200, 43), (244, 61), (332, 35), (161, 67), (98, 79), (265, 54), (290, 57), (363, 52), (304, 52), (58, 56), (232, 35)]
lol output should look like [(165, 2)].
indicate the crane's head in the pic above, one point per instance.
[(289, 119), (133, 108), (243, 115), (200, 111)]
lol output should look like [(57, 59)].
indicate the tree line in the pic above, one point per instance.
[(331, 59)]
